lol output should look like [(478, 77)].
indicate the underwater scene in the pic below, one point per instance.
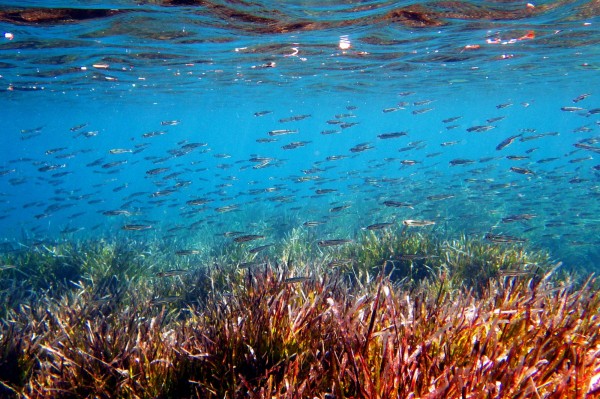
[(299, 199)]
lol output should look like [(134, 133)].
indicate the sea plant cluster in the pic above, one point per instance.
[(394, 313)]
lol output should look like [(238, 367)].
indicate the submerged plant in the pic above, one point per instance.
[(407, 315)]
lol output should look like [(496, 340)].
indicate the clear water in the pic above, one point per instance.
[(73, 90)]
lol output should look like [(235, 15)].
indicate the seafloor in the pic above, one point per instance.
[(392, 314)]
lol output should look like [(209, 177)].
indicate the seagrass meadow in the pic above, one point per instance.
[(394, 313), (300, 199)]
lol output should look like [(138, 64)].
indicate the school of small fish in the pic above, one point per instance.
[(315, 171)]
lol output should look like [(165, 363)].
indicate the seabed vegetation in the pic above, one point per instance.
[(394, 313)]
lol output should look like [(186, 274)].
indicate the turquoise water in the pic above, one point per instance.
[(163, 120)]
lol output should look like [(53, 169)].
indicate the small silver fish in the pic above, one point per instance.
[(581, 97), (227, 208), (172, 272), (120, 151), (571, 109), (248, 237), (393, 135), (187, 252), (461, 161), (117, 212), (440, 197), (417, 223), (262, 113), (515, 218), (280, 132), (480, 128), (259, 248), (497, 238), (170, 123), (294, 118), (379, 226), (508, 141), (136, 227), (312, 223), (522, 171), (396, 204), (332, 243), (165, 300), (295, 144)]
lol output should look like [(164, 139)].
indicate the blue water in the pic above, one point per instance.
[(213, 67)]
